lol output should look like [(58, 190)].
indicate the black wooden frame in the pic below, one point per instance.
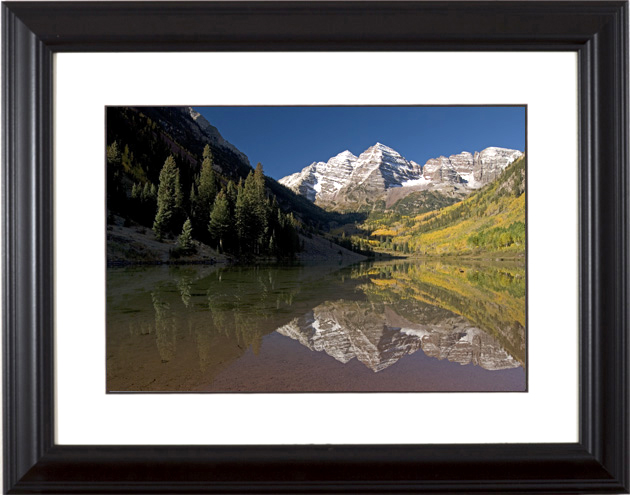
[(33, 32)]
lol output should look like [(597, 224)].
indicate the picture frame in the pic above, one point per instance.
[(33, 32)]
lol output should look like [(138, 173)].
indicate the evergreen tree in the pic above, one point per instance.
[(193, 196), (148, 203), (242, 219), (221, 222), (259, 180), (251, 216), (288, 239), (116, 196), (113, 154), (179, 195), (262, 209), (186, 244), (135, 191), (207, 152), (206, 190), (127, 158), (207, 179), (168, 198), (274, 227), (146, 192), (230, 194)]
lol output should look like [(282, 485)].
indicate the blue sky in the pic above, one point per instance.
[(287, 139)]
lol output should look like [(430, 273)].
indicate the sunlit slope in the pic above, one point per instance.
[(490, 220), (491, 297)]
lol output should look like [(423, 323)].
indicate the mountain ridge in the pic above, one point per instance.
[(346, 179), (492, 219)]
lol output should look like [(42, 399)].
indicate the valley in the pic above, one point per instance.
[(364, 272), (169, 165)]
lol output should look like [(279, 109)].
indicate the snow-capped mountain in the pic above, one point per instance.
[(473, 170), (346, 178), (378, 337), (322, 180), (375, 170)]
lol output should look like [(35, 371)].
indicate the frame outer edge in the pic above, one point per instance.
[(622, 137), (28, 255), (604, 256), (28, 260), (612, 165)]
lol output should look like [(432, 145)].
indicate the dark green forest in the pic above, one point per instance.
[(199, 193), (184, 198), (236, 219)]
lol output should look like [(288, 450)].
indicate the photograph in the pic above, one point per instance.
[(240, 219), (270, 249)]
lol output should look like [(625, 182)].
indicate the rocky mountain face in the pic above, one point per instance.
[(379, 171), (473, 170), (322, 179), (191, 129), (379, 337), (376, 169)]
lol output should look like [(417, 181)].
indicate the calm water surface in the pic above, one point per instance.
[(385, 326)]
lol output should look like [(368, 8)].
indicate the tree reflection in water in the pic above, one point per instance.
[(204, 320)]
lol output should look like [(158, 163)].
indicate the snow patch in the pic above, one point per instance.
[(415, 182), (415, 332)]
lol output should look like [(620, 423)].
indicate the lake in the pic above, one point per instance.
[(394, 326)]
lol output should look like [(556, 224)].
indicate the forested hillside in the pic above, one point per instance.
[(491, 297), (156, 182), (490, 220)]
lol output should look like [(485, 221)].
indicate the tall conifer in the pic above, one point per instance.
[(206, 189), (168, 199), (221, 221), (185, 238)]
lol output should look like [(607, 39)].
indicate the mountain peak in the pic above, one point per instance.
[(346, 176), (346, 155), (383, 147), (193, 114), (351, 179)]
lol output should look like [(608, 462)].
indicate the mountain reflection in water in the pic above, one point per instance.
[(378, 337), (412, 326)]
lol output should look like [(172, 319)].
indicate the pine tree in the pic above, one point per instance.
[(221, 222), (168, 197), (262, 209), (259, 180), (193, 196), (242, 221), (207, 152), (207, 180), (116, 196), (206, 190), (148, 203), (127, 158), (146, 192), (230, 194), (179, 195), (113, 154), (186, 244), (249, 216)]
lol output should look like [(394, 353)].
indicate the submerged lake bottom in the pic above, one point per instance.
[(395, 326)]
